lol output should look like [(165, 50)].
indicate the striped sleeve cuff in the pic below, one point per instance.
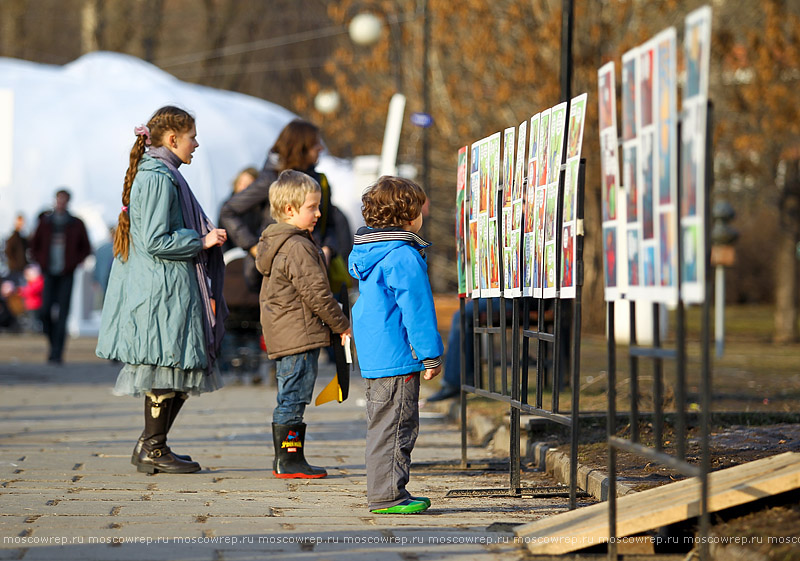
[(432, 362)]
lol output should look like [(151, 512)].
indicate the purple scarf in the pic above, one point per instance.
[(208, 264)]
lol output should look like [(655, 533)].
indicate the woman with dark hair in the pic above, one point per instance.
[(298, 147)]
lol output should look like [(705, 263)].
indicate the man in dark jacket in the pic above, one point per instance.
[(59, 245), (16, 252)]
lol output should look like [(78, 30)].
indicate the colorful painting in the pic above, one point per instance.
[(667, 91), (647, 164), (538, 247), (646, 60), (666, 249), (610, 178), (475, 258), (542, 147), (629, 181), (697, 49), (666, 185), (571, 189), (567, 257), (529, 211), (629, 84), (610, 181), (633, 257), (520, 162), (508, 165), (461, 220), (558, 119), (494, 250), (569, 224), (550, 224), (610, 255), (605, 88)]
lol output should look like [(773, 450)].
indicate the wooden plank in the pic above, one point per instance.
[(660, 506)]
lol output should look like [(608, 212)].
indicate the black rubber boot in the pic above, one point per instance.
[(174, 408), (290, 460), (154, 455)]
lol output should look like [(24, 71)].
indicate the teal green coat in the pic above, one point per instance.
[(152, 313)]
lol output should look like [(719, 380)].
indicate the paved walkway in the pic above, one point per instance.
[(68, 491)]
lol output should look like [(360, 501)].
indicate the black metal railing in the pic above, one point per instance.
[(551, 340)]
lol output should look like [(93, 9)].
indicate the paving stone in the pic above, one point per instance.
[(65, 473)]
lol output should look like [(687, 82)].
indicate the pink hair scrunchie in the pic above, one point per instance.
[(142, 130)]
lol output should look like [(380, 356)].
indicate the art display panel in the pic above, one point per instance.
[(569, 217), (609, 174), (462, 221), (697, 48)]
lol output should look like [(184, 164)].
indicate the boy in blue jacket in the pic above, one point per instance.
[(396, 336)]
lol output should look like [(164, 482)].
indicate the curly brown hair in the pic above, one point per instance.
[(392, 201)]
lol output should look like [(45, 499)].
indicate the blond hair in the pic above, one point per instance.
[(290, 189)]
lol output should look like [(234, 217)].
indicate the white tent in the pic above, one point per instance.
[(72, 126)]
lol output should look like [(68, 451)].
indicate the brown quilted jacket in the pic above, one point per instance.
[(298, 311)]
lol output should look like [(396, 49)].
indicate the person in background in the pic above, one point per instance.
[(451, 381), (253, 218), (103, 259), (16, 249), (298, 147), (164, 313), (59, 245), (31, 294)]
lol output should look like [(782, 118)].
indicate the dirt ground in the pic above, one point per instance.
[(777, 518), (755, 396)]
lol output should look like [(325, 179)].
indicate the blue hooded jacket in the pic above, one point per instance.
[(394, 321)]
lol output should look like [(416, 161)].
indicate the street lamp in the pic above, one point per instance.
[(327, 101), (365, 29)]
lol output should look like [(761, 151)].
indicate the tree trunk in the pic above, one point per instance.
[(786, 265), (89, 24)]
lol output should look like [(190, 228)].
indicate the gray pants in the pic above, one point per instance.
[(392, 428)]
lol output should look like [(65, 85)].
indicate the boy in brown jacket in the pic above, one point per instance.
[(298, 313)]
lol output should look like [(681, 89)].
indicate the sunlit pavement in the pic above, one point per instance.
[(68, 490)]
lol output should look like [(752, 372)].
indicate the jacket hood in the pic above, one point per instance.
[(371, 245), (273, 238)]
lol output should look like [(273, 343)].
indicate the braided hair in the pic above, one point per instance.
[(168, 118)]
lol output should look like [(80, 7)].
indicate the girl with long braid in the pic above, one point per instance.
[(163, 313)]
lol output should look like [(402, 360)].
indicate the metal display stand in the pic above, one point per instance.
[(516, 395), (658, 354)]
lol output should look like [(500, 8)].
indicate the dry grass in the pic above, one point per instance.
[(752, 375)]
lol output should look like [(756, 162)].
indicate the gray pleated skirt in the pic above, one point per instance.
[(137, 379)]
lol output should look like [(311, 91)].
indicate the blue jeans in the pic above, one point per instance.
[(452, 359), (296, 377)]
